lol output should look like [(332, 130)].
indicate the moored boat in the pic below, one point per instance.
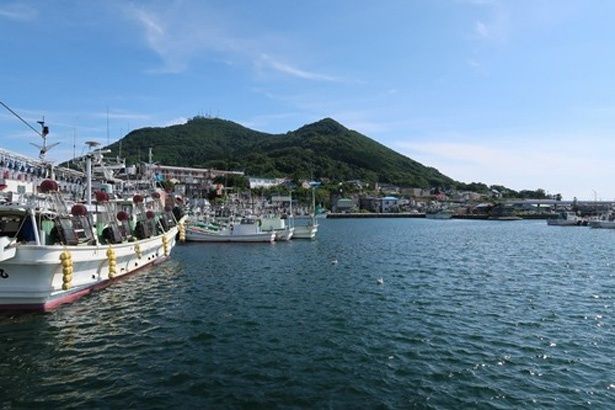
[(602, 224), (606, 221), (564, 219), (309, 229), (305, 231), (53, 251), (306, 227), (247, 230), (279, 226), (52, 256), (439, 214)]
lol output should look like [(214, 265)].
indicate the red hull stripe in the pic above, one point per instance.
[(71, 297)]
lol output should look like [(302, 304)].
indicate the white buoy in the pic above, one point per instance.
[(380, 281)]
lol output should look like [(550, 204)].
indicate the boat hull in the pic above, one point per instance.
[(562, 222), (305, 232), (33, 279), (284, 234), (194, 235), (602, 224)]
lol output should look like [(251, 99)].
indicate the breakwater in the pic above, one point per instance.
[(422, 215), (375, 215)]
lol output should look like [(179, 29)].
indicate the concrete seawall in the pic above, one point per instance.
[(419, 215)]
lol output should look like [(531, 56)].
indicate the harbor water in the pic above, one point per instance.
[(468, 314)]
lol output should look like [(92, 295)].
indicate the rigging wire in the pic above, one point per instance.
[(22, 120)]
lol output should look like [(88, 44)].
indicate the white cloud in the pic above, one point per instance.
[(478, 2), (481, 29), (179, 35), (293, 71), (266, 121), (175, 121), (556, 164), (161, 42), (495, 24), (18, 12), (473, 63), (119, 115)]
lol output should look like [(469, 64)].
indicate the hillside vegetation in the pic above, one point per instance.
[(325, 149)]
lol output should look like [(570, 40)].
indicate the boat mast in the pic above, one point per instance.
[(88, 172), (313, 206), (290, 195), (44, 149)]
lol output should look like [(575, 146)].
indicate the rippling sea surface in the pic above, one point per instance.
[(473, 314)]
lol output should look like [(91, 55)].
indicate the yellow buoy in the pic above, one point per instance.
[(112, 262), (182, 232), (165, 246), (67, 269)]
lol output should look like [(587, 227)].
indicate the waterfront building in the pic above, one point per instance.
[(266, 183), (415, 192), (344, 205), (194, 180), (388, 188), (379, 204)]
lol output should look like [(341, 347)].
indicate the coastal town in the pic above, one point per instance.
[(335, 199)]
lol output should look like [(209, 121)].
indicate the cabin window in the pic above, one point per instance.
[(10, 224)]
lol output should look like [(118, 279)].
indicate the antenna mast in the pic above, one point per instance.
[(74, 144), (107, 125)]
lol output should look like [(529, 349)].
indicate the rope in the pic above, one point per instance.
[(22, 120)]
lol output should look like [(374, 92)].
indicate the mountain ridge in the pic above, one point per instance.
[(323, 149)]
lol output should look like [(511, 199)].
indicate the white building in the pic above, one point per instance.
[(266, 182)]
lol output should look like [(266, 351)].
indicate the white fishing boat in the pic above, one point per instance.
[(247, 230), (439, 214), (52, 256), (564, 219), (54, 252), (278, 225), (306, 226), (307, 231), (606, 221)]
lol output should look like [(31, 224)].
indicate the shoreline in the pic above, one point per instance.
[(421, 215)]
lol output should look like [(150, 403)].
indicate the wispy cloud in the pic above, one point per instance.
[(269, 122), (18, 12), (473, 63), (160, 41), (494, 29), (494, 24), (179, 35), (175, 121), (556, 167), (119, 115), (293, 71), (478, 2), (481, 29)]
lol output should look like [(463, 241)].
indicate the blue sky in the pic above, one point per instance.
[(519, 93)]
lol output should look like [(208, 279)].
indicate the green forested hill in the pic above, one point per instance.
[(324, 149)]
